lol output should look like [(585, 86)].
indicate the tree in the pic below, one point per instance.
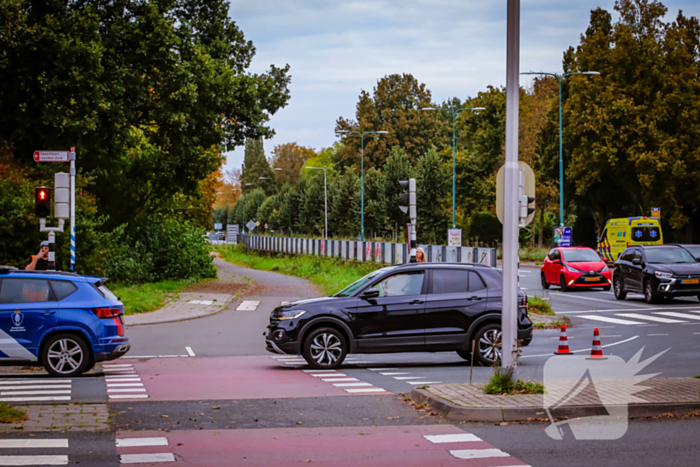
[(376, 220), (150, 93), (255, 165), (431, 191), (394, 107), (290, 156), (345, 219)]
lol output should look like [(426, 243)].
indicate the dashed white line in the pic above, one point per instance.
[(133, 442), (424, 382), (478, 453), (653, 335), (147, 458), (348, 385), (605, 319), (127, 390), (408, 373), (33, 460), (352, 391), (456, 438), (408, 377), (331, 380), (190, 352), (326, 375), (33, 443)]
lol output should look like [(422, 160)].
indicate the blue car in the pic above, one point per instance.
[(64, 321)]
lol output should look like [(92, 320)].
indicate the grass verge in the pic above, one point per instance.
[(331, 275), (146, 297), (501, 383), (10, 414)]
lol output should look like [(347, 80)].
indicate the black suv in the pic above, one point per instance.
[(656, 271), (417, 307)]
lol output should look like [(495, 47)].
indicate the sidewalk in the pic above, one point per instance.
[(73, 417), (202, 299), (467, 402)]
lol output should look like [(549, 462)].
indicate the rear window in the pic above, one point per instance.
[(456, 281), (106, 293), (646, 234), (62, 289)]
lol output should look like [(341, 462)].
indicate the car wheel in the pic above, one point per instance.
[(620, 294), (488, 344), (465, 354), (65, 355), (562, 283), (325, 348), (649, 295), (545, 284)]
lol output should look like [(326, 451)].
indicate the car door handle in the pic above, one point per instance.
[(475, 297), (47, 313), (416, 302)]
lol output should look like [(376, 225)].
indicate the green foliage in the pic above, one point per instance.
[(346, 204), (11, 415), (255, 165), (332, 275), (433, 219), (501, 383), (483, 227)]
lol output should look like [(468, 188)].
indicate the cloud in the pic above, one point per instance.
[(456, 47)]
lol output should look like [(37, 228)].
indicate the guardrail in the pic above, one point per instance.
[(380, 252)]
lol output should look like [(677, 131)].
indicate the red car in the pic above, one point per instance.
[(575, 267)]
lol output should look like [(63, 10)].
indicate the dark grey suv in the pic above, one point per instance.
[(420, 307)]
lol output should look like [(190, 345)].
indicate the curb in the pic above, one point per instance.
[(450, 411)]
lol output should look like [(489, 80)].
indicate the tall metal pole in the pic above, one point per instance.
[(362, 182), (72, 209), (510, 203), (561, 162)]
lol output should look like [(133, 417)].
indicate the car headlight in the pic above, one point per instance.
[(663, 275), (572, 269), (290, 314)]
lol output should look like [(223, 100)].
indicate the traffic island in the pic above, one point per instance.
[(71, 417), (468, 402)]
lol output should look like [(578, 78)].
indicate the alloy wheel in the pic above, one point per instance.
[(326, 349), (65, 356), (490, 345)]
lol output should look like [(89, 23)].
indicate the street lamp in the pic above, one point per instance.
[(325, 195), (454, 113), (560, 78), (362, 171), (289, 206)]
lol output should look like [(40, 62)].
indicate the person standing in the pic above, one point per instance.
[(420, 255), (40, 261)]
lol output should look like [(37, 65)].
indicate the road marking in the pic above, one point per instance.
[(380, 369), (651, 335), (132, 442), (28, 399), (677, 315), (147, 458), (286, 356), (124, 385), (585, 350), (580, 297), (696, 333), (248, 305), (352, 391), (407, 373), (190, 352), (123, 365), (33, 443), (120, 380), (32, 393), (36, 381), (319, 371), (424, 382), (650, 318), (127, 390), (339, 379), (478, 453), (605, 319), (408, 377), (343, 385), (327, 375), (128, 396), (33, 460), (457, 438), (24, 388)]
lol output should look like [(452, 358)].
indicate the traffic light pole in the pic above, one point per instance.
[(510, 197), (72, 209)]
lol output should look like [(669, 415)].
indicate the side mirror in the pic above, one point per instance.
[(369, 294), (556, 261), (637, 261), (697, 259)]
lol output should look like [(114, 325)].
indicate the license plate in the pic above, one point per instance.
[(690, 281), (592, 279)]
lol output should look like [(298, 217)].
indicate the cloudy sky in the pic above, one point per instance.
[(456, 47)]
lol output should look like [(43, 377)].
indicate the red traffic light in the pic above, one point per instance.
[(42, 202)]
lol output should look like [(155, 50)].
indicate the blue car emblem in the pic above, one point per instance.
[(18, 318)]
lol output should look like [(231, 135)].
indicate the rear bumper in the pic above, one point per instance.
[(525, 335), (111, 349)]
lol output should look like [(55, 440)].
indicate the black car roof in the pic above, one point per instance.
[(443, 265)]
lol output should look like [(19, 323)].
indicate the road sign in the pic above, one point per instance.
[(454, 237), (51, 156), (217, 226), (656, 212), (266, 225), (250, 225), (529, 190)]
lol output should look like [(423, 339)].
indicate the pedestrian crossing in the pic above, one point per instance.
[(128, 448), (472, 448), (347, 383), (299, 361), (123, 382), (655, 317), (35, 390), (405, 376), (38, 451)]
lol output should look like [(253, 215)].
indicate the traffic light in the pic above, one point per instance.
[(410, 198), (42, 202), (61, 207), (525, 211)]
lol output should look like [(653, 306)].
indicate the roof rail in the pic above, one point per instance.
[(10, 269)]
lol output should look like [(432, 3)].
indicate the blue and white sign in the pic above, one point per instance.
[(561, 237)]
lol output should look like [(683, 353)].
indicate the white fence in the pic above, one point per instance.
[(380, 252)]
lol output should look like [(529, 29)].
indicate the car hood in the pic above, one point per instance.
[(588, 265), (309, 301), (678, 269)]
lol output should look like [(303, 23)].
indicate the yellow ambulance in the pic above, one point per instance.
[(618, 234)]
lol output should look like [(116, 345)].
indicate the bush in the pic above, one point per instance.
[(501, 383), (539, 306)]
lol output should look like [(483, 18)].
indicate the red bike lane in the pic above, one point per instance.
[(215, 378), (408, 446)]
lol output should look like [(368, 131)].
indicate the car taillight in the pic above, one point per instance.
[(106, 312), (120, 326)]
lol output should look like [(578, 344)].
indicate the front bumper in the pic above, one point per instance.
[(588, 280), (675, 288)]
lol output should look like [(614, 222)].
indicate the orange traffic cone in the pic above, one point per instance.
[(563, 343), (596, 351)]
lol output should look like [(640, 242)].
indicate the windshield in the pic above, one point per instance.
[(357, 285), (694, 250), (669, 256), (646, 234), (581, 256)]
